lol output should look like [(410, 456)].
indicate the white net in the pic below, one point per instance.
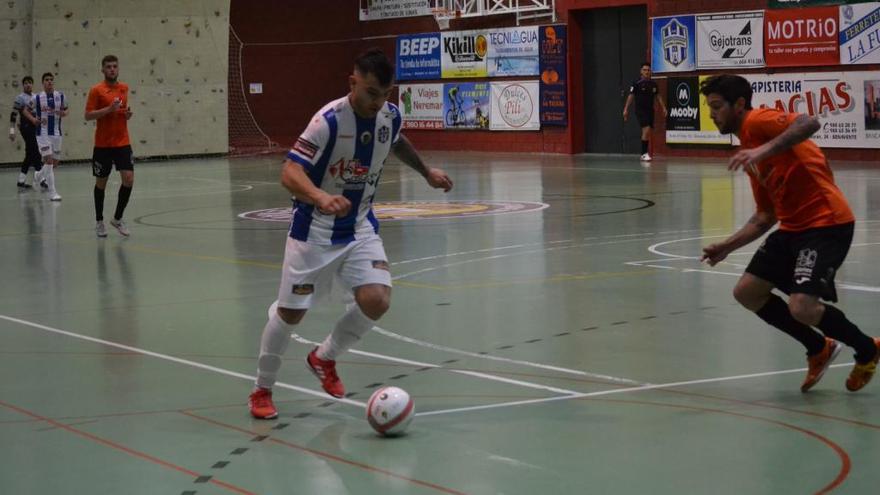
[(245, 135)]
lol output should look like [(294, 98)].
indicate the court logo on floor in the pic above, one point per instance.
[(417, 210)]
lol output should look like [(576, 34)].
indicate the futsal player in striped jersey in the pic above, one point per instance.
[(50, 107), (333, 171)]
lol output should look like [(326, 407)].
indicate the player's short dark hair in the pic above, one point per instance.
[(27, 79), (645, 64), (47, 74), (730, 87), (108, 58), (374, 61)]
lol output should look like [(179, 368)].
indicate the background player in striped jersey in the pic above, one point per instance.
[(333, 170), (50, 107), (27, 125)]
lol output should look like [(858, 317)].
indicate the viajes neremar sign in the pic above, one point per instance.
[(784, 4)]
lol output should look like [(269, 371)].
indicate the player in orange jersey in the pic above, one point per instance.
[(792, 185), (108, 104)]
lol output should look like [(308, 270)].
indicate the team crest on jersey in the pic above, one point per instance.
[(384, 132), (366, 136)]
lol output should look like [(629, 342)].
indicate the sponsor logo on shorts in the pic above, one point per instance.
[(417, 210), (803, 268), (381, 265), (306, 148), (303, 290)]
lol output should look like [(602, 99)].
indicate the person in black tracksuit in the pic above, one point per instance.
[(27, 125), (644, 92)]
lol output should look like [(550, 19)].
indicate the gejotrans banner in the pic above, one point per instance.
[(731, 39), (799, 37)]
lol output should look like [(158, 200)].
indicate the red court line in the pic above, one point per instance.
[(326, 455), (845, 463), (122, 448)]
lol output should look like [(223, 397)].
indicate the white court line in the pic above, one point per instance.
[(618, 391), (477, 374), (489, 357), (177, 360)]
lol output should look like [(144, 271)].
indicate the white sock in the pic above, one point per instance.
[(49, 177), (273, 344), (21, 178), (348, 331)]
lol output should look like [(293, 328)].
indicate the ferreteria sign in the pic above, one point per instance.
[(784, 4)]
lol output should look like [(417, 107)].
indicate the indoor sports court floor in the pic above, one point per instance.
[(574, 348)]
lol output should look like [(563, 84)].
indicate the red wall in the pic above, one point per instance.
[(302, 53)]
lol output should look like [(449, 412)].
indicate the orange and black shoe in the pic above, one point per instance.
[(861, 374), (818, 363), (325, 370), (261, 405)]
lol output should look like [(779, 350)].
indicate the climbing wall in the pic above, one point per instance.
[(15, 63), (173, 55)]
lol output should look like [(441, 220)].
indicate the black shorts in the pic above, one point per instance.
[(803, 262), (103, 160), (646, 119)]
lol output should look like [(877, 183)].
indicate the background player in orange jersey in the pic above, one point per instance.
[(108, 104), (793, 185)]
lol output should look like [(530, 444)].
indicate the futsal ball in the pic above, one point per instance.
[(390, 410)]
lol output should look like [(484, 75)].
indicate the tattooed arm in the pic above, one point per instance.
[(435, 177)]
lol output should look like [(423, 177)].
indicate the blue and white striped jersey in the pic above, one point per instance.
[(343, 154), (48, 109)]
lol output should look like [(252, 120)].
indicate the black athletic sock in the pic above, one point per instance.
[(644, 147), (835, 325), (776, 313), (99, 204), (124, 194)]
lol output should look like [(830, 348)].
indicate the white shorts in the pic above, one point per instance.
[(50, 146), (312, 272)]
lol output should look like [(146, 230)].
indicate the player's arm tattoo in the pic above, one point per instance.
[(800, 130), (762, 221), (404, 150), (13, 117)]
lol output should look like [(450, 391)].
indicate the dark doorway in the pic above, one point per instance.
[(615, 43)]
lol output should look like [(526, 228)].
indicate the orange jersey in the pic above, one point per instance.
[(112, 129), (797, 185)]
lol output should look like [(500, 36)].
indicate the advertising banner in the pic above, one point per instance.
[(418, 57), (375, 10), (554, 93), (513, 52), (844, 102), (860, 34), (466, 105), (784, 4), (688, 121), (799, 37), (733, 39), (673, 45), (515, 106), (463, 54), (421, 106)]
